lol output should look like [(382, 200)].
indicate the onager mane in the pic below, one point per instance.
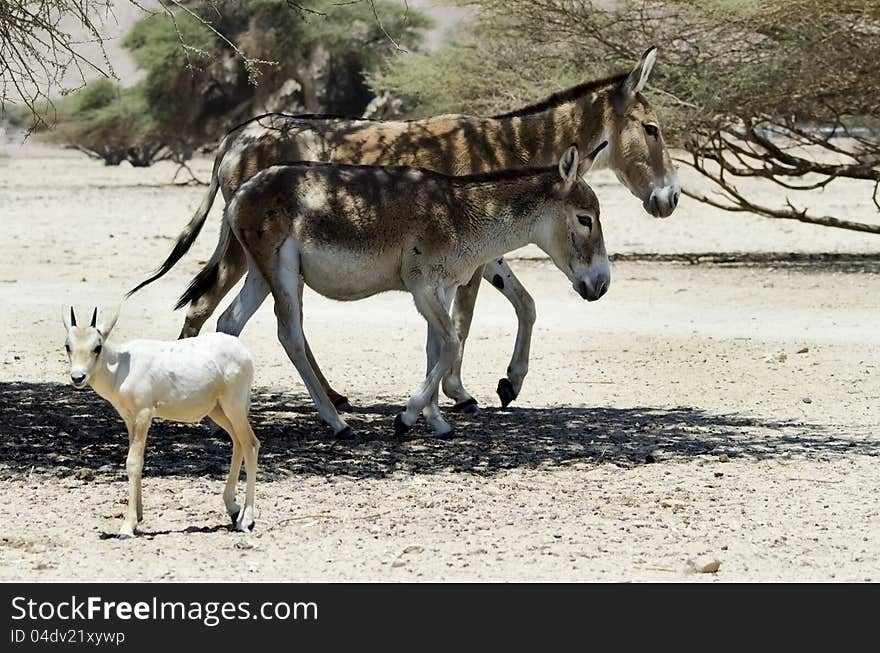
[(563, 97)]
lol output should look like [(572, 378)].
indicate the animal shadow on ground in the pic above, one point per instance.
[(52, 429)]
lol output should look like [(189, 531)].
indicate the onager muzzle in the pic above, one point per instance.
[(594, 286), (663, 199)]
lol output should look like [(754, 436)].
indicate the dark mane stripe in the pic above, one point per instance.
[(298, 116), (561, 97), (475, 178)]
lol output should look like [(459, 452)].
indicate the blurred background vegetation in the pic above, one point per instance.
[(210, 65)]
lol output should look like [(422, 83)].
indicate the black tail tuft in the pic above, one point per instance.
[(180, 248), (189, 234), (201, 283)]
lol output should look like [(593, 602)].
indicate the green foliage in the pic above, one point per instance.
[(158, 43), (201, 60), (718, 60), (107, 121), (481, 73), (95, 96), (271, 31)]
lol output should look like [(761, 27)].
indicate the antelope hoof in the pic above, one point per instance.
[(344, 434), (124, 536), (343, 406), (468, 407), (249, 528), (449, 435), (505, 392), (233, 516), (400, 427)]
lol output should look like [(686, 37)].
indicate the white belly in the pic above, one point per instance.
[(349, 275)]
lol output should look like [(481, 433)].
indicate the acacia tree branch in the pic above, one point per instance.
[(737, 202)]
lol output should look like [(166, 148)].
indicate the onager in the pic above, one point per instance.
[(181, 380), (611, 109), (353, 231)]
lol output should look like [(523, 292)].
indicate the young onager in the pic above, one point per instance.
[(353, 231), (181, 380), (611, 109)]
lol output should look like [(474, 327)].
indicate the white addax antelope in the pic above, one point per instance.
[(181, 380), (353, 231)]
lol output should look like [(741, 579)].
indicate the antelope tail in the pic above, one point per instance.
[(187, 237)]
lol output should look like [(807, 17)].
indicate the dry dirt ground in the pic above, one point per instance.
[(700, 411)]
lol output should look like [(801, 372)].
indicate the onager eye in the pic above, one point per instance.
[(97, 350), (586, 220), (651, 130)]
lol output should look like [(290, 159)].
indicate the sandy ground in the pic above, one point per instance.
[(698, 412)]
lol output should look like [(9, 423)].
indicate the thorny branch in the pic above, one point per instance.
[(40, 58)]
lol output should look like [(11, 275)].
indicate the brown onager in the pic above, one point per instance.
[(350, 232)]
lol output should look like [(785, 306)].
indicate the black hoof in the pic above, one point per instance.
[(449, 435), (469, 407), (400, 427), (505, 392), (234, 518), (343, 406), (344, 434)]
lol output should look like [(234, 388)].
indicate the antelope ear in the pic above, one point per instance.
[(568, 168), (590, 160), (107, 324), (68, 317), (638, 77)]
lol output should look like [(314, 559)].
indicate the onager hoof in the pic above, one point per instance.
[(343, 406), (505, 392), (344, 434), (468, 407), (400, 427)]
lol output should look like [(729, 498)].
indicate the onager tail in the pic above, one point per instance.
[(208, 275), (187, 237)]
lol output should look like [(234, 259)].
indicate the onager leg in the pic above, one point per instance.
[(462, 316), (433, 348), (251, 296), (232, 508), (283, 275), (231, 268), (499, 274), (253, 293), (134, 467), (340, 401), (430, 305)]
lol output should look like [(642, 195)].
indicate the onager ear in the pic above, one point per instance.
[(107, 324), (589, 160), (568, 168), (638, 77)]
